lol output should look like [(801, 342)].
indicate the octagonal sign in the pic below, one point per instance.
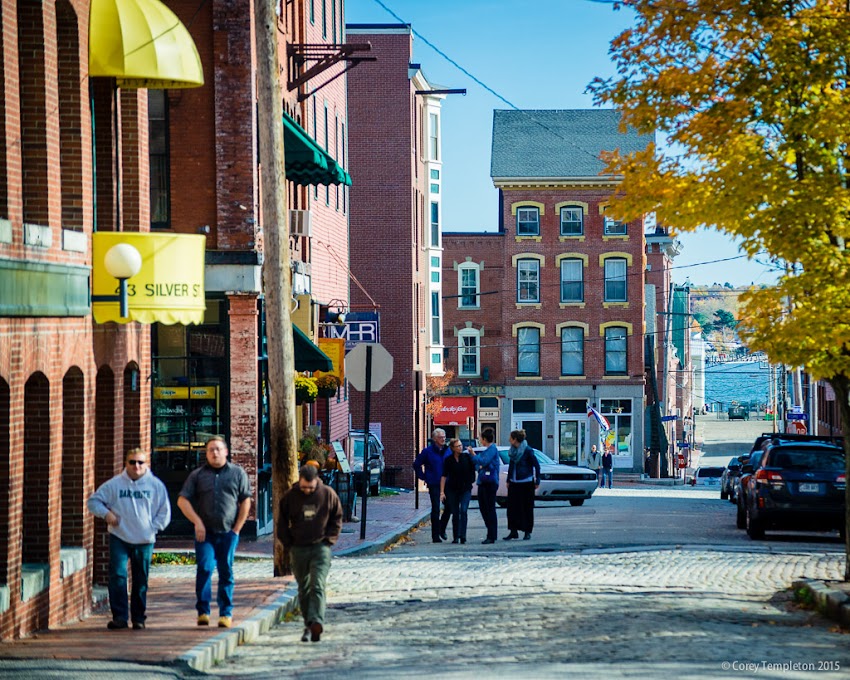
[(355, 366)]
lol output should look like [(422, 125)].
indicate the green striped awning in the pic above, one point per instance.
[(306, 161)]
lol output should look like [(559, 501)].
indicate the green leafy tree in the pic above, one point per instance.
[(725, 319), (751, 98)]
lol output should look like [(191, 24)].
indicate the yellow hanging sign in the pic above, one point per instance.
[(168, 289)]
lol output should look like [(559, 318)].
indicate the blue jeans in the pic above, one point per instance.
[(457, 503), (609, 475), (139, 556), (216, 551)]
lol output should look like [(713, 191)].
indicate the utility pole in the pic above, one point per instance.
[(276, 282)]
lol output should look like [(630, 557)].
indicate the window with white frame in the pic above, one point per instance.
[(528, 222), (528, 281), (469, 352), (615, 350), (436, 324), (615, 227), (572, 280), (572, 221), (435, 224), (572, 350), (528, 351), (468, 280), (434, 136), (615, 280)]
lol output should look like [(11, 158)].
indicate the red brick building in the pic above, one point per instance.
[(392, 141), (547, 315), (213, 378), (74, 394)]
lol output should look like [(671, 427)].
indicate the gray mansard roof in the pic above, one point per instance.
[(557, 144)]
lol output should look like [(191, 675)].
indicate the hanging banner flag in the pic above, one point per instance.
[(604, 425)]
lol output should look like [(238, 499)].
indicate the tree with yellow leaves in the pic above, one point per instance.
[(750, 98)]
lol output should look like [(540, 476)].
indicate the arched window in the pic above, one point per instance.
[(572, 280), (528, 281), (616, 289), (572, 350), (73, 457), (572, 220), (469, 352), (528, 221)]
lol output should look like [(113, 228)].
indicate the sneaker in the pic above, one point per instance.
[(511, 536), (138, 625), (444, 536), (305, 636), (225, 622), (116, 624), (316, 630), (527, 536), (487, 541), (203, 619)]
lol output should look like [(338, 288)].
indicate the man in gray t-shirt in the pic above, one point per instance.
[(216, 499)]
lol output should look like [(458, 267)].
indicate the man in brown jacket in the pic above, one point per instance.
[(309, 523)]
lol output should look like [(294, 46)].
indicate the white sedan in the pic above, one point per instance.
[(558, 482)]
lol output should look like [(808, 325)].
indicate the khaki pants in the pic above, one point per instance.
[(310, 566)]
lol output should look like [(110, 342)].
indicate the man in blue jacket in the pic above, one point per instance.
[(428, 467), (488, 463)]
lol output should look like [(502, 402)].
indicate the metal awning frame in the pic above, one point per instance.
[(322, 57)]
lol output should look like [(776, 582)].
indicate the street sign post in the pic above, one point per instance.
[(368, 367)]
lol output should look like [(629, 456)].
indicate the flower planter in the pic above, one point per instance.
[(327, 392)]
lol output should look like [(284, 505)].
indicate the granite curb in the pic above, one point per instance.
[(205, 655), (830, 598)]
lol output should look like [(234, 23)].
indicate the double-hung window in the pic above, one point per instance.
[(615, 227), (468, 286), (436, 324), (469, 352), (615, 280), (572, 221), (528, 281), (615, 350), (435, 224), (572, 280), (160, 160), (528, 222), (528, 351), (572, 351)]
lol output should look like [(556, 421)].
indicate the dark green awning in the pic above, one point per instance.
[(308, 357), (306, 161)]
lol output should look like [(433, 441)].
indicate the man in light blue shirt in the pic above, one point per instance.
[(135, 507), (487, 462)]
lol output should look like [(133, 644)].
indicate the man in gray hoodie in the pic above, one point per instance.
[(135, 507)]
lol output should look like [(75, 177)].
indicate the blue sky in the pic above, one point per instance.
[(536, 55)]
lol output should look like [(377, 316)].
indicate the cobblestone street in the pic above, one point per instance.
[(646, 613)]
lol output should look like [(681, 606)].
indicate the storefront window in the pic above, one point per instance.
[(619, 413), (190, 400)]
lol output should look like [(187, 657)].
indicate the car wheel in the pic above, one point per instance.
[(755, 529), (723, 495), (575, 502), (741, 518), (376, 490)]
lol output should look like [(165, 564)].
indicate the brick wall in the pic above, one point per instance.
[(384, 219)]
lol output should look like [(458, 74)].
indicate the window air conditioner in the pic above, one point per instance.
[(300, 223)]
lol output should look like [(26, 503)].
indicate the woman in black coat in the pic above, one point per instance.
[(456, 487), (523, 480)]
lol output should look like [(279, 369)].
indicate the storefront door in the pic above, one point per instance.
[(572, 437)]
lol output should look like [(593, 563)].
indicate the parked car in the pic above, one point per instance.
[(797, 485), (759, 445), (707, 476), (558, 482), (376, 461), (738, 412), (730, 474)]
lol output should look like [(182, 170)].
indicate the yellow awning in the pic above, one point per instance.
[(142, 44), (169, 288)]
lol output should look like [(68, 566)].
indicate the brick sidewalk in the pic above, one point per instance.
[(172, 636)]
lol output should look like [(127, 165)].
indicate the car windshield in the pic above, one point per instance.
[(710, 472), (808, 459), (543, 459)]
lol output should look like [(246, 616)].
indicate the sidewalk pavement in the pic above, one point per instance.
[(172, 636)]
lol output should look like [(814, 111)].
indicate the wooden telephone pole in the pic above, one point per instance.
[(276, 282)]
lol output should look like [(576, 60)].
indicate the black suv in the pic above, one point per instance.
[(730, 475), (797, 485)]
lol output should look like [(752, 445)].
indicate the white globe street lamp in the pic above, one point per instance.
[(122, 261)]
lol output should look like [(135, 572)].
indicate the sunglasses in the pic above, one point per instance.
[(136, 462)]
